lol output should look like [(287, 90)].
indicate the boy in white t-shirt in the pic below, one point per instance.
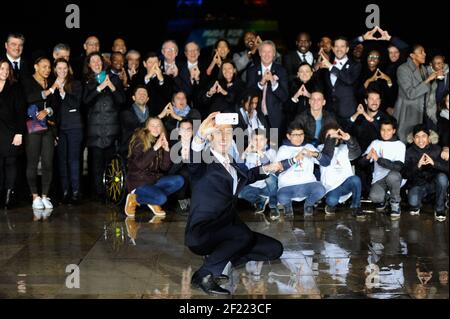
[(262, 192), (388, 156), (297, 181), (337, 177)]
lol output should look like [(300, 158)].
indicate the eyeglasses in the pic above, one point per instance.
[(373, 56), (170, 50)]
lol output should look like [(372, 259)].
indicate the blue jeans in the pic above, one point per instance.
[(157, 193), (351, 185), (439, 186), (312, 191), (69, 150), (253, 194)]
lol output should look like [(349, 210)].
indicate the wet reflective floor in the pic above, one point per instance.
[(145, 257)]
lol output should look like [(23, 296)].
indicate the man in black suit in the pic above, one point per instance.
[(214, 229), (14, 48), (341, 77), (302, 54), (191, 74), (271, 80)]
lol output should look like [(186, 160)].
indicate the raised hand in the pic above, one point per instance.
[(369, 34), (343, 135), (208, 125)]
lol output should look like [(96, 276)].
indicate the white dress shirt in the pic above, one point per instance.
[(225, 161), (264, 70), (309, 57), (13, 60), (338, 64)]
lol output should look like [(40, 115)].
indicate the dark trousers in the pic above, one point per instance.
[(99, 158), (237, 244), (69, 149), (40, 145), (8, 172)]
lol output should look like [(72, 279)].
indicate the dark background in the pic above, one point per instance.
[(143, 24)]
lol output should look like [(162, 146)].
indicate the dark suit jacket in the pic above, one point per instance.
[(24, 69), (274, 99), (213, 202), (183, 82), (341, 98), (291, 62), (129, 122)]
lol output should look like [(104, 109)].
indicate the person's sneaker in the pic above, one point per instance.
[(395, 210), (38, 204), (380, 207), (308, 211), (46, 213), (358, 213), (130, 205), (157, 210), (274, 213), (440, 215), (47, 203), (37, 214), (260, 205), (414, 211), (330, 210)]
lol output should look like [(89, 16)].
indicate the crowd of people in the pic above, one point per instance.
[(363, 118)]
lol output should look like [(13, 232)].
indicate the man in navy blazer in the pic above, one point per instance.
[(14, 48), (341, 77), (271, 80), (214, 229)]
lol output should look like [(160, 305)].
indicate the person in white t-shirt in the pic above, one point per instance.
[(337, 177), (388, 156), (297, 181), (262, 192)]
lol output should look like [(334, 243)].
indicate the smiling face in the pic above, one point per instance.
[(251, 104), (267, 53), (249, 40), (358, 51), (155, 127), (192, 52), (305, 73), (4, 71), (140, 97), (317, 102), (296, 137), (421, 139), (169, 51), (326, 44), (14, 47), (438, 63), (186, 130), (133, 60), (259, 141), (303, 43), (96, 64), (222, 138), (43, 68), (394, 54), (119, 46), (228, 71), (92, 44), (373, 59), (223, 49), (340, 49), (373, 102), (387, 131), (117, 62), (180, 100), (62, 70)]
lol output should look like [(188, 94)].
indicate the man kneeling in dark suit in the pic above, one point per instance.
[(214, 229)]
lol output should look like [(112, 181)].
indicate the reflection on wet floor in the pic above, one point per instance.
[(145, 256)]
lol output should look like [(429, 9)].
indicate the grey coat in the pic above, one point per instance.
[(409, 107)]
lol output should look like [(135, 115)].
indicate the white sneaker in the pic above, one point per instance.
[(37, 203), (47, 203)]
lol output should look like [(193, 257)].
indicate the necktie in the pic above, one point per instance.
[(16, 66), (263, 102), (304, 57)]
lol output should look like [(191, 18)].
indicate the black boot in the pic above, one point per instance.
[(10, 199), (75, 200)]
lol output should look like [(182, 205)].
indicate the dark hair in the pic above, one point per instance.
[(149, 55), (442, 105), (117, 53), (217, 44), (415, 47), (303, 33), (69, 78), (41, 58), (88, 73), (389, 120), (185, 120), (15, 35), (307, 64), (249, 95), (341, 38), (61, 46), (372, 91), (294, 125), (139, 86), (325, 129), (10, 78), (177, 92), (317, 90), (420, 128)]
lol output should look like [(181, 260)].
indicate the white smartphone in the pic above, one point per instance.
[(227, 119)]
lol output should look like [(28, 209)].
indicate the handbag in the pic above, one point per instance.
[(33, 124)]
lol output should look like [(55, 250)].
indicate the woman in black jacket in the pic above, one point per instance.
[(12, 128), (103, 94), (222, 94), (40, 140), (67, 102)]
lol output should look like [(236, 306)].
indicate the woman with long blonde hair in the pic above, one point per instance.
[(148, 163)]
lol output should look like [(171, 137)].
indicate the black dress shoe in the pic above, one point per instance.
[(208, 285), (221, 279), (75, 199), (10, 198)]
